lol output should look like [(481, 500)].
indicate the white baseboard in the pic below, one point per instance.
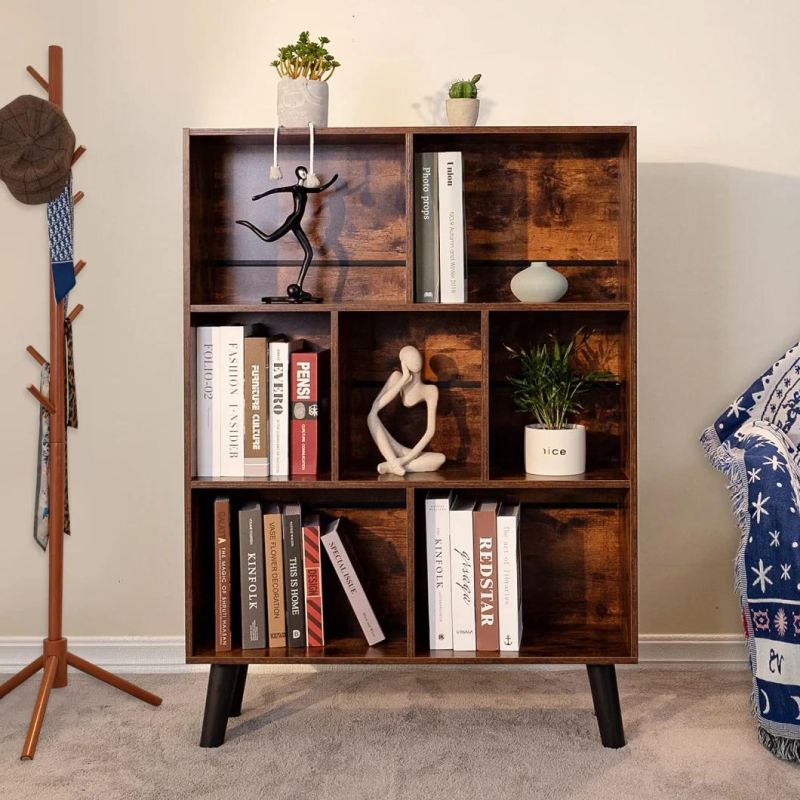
[(166, 653)]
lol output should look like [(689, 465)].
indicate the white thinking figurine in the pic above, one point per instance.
[(408, 386)]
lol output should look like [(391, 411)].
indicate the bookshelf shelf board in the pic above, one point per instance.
[(287, 308), (339, 651), (601, 478)]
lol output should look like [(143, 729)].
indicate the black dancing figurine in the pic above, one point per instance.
[(293, 223)]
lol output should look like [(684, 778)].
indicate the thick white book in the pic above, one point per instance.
[(508, 577), (280, 351), (452, 244), (339, 554), (232, 401), (437, 536), (209, 408), (462, 574)]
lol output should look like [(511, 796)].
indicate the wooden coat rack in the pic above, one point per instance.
[(55, 657)]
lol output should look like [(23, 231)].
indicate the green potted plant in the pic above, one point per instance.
[(305, 69), (463, 104), (548, 388)]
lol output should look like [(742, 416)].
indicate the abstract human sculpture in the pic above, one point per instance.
[(408, 386), (293, 223)]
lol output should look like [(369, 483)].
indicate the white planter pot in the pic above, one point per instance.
[(550, 452), (539, 283), (462, 112), (301, 101)]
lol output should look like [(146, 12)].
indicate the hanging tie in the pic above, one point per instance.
[(41, 518), (275, 173), (311, 181)]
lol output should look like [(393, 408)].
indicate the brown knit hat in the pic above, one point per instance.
[(36, 148)]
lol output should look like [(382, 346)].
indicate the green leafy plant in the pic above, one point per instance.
[(306, 59), (465, 90), (548, 386)]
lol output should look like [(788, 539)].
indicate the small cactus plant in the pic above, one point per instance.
[(465, 90)]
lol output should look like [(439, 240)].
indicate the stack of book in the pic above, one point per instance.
[(258, 404), (440, 261), (474, 597), (280, 577)]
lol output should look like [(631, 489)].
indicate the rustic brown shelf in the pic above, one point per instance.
[(564, 195)]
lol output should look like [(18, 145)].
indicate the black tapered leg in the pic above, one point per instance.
[(238, 692), (219, 699), (603, 682)]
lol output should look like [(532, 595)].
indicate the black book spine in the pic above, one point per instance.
[(294, 577), (251, 578), (426, 228)]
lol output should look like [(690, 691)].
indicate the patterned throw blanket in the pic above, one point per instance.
[(754, 443)]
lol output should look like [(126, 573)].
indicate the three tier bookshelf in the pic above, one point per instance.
[(562, 195)]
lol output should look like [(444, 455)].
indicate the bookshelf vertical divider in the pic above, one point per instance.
[(562, 195)]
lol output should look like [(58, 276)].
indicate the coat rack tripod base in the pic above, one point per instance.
[(55, 657)]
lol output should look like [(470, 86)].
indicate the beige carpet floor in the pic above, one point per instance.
[(400, 733)]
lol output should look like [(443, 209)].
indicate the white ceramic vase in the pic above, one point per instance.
[(301, 101), (462, 112), (555, 452), (539, 283)]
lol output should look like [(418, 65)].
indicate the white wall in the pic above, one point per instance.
[(713, 87)]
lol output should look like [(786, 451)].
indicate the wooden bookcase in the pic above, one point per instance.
[(564, 195)]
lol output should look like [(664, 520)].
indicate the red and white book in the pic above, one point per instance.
[(305, 404), (509, 577), (315, 626)]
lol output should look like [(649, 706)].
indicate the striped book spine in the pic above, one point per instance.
[(315, 632)]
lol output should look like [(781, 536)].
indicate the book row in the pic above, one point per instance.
[(278, 577), (258, 404), (473, 568), (440, 260)]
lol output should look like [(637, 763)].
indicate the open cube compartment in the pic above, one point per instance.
[(376, 529)]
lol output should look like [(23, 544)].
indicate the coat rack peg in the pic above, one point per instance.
[(73, 315), (46, 404), (38, 78), (77, 197), (37, 356), (79, 266), (78, 153)]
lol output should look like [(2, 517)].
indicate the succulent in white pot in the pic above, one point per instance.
[(548, 388), (305, 69), (463, 104)]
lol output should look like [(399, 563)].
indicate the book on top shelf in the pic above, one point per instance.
[(426, 228), (452, 235), (437, 536), (344, 564)]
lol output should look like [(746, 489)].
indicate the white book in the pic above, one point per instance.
[(452, 249), (232, 401), (279, 412), (351, 583), (462, 572), (508, 577), (437, 536), (209, 408)]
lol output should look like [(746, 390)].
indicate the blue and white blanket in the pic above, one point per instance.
[(755, 444)]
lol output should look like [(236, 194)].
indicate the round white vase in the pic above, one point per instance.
[(555, 452), (301, 101), (462, 112), (539, 283)]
